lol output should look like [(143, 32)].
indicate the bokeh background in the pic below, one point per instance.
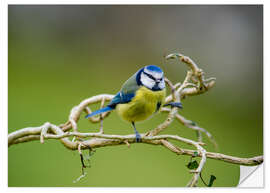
[(59, 55)]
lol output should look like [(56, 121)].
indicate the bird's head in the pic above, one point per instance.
[(152, 77)]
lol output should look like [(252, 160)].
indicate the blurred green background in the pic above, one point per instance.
[(59, 55)]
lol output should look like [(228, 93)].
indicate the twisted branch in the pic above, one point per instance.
[(101, 140), (193, 84)]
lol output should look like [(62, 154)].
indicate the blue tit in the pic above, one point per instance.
[(141, 96)]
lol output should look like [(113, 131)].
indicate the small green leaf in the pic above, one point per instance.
[(195, 154), (211, 181), (193, 165)]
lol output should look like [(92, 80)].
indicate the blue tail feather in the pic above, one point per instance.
[(103, 110)]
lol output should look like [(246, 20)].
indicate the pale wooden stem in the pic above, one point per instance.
[(102, 140)]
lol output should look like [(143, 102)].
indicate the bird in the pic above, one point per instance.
[(140, 97)]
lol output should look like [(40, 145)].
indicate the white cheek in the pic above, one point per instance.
[(161, 84), (146, 81)]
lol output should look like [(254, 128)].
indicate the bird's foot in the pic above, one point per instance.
[(138, 137), (174, 104)]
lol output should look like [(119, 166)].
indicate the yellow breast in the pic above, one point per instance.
[(142, 106)]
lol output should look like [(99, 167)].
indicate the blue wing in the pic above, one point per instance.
[(119, 98), (125, 95)]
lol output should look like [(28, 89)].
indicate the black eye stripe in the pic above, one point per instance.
[(149, 75), (153, 78)]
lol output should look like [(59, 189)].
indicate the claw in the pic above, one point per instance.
[(138, 137)]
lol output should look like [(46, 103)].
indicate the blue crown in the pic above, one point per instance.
[(153, 68)]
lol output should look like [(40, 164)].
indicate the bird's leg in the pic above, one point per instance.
[(174, 104), (138, 136)]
